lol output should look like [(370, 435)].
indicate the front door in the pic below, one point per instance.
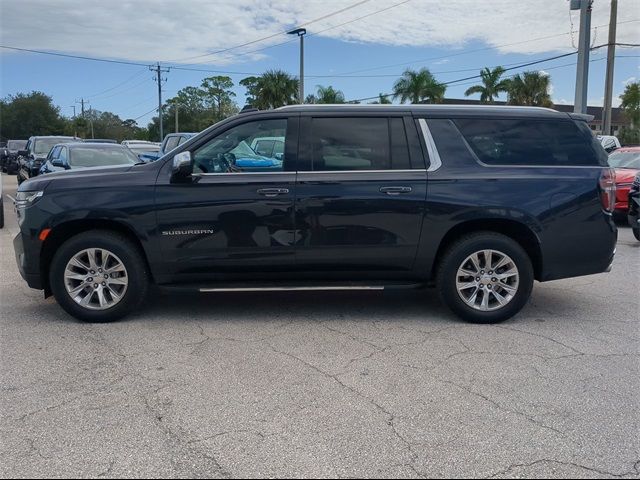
[(361, 194), (235, 216)]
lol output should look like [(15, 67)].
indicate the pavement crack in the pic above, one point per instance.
[(509, 470), (501, 407)]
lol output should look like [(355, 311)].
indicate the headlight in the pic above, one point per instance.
[(26, 199)]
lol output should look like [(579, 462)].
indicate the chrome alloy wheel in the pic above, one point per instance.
[(96, 279), (487, 280)]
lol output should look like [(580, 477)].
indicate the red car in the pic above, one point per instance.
[(626, 161)]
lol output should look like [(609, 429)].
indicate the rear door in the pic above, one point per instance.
[(361, 193)]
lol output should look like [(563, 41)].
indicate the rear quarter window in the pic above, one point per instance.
[(528, 142)]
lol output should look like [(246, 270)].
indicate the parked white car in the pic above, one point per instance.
[(609, 142)]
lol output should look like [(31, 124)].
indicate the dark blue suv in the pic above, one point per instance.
[(478, 201)]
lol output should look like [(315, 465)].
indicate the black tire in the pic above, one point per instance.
[(636, 233), (128, 253), (456, 255)]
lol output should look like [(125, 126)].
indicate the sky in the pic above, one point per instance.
[(358, 46)]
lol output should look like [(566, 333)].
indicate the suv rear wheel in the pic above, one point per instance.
[(98, 276), (485, 277)]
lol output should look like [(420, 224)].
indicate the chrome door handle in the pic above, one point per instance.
[(395, 190), (273, 192)]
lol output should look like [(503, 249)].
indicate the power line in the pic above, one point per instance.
[(310, 34), (466, 52), (507, 69), (357, 4), (118, 85)]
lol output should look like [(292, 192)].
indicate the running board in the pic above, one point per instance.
[(288, 287)]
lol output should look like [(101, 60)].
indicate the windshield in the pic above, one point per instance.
[(101, 157), (625, 160), (16, 144), (43, 145)]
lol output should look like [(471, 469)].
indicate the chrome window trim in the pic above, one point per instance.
[(435, 162), (240, 173), (317, 172), (324, 172)]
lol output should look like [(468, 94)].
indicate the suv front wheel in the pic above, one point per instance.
[(98, 276), (485, 277)]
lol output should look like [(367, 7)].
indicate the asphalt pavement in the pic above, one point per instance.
[(323, 384)]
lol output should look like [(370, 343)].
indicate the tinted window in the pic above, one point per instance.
[(172, 142), (53, 154), (231, 151), (101, 157), (531, 142), (62, 155), (264, 147), (350, 144), (399, 146)]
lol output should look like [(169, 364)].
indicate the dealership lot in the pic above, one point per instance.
[(323, 384)]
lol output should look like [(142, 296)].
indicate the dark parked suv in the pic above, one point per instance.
[(34, 154), (479, 201)]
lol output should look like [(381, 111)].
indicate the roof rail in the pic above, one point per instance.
[(581, 116), (249, 108)]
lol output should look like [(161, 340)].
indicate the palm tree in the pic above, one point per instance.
[(382, 99), (328, 95), (532, 88), (272, 89), (491, 86), (418, 87)]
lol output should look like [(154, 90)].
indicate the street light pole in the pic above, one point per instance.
[(582, 73), (176, 110), (301, 32)]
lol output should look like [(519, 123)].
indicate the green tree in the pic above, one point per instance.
[(327, 95), (29, 114), (492, 85), (530, 88), (273, 89), (219, 96), (418, 87), (251, 85), (630, 103)]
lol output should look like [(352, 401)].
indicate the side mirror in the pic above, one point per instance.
[(58, 163), (181, 168)]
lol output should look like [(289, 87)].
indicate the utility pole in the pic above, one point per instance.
[(74, 110), (159, 71), (608, 83), (81, 102), (176, 110), (91, 122), (301, 32), (582, 73)]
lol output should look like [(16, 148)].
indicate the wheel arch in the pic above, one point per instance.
[(517, 231), (63, 232)]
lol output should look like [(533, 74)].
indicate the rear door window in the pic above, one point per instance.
[(344, 144), (527, 142)]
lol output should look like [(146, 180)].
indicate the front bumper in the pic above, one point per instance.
[(28, 266)]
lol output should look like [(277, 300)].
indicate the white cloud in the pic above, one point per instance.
[(148, 30), (629, 80)]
